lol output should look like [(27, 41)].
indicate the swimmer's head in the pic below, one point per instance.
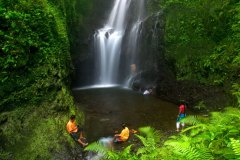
[(123, 125)]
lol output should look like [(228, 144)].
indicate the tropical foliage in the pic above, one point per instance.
[(202, 39), (35, 64), (149, 149), (34, 51), (213, 137), (202, 42), (209, 138)]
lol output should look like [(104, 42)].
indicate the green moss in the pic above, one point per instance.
[(40, 129), (45, 137), (35, 64)]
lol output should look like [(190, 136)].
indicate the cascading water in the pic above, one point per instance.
[(108, 41), (134, 41)]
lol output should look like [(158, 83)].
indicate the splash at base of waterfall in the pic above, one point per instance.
[(107, 142), (97, 86)]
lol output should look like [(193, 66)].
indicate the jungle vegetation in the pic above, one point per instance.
[(214, 137), (35, 63), (202, 43), (202, 40)]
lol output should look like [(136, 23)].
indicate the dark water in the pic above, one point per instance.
[(106, 109)]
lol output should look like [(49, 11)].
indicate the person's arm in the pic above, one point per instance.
[(73, 129), (119, 135), (70, 128), (122, 133)]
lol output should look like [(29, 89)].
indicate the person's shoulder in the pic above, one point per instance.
[(181, 106), (69, 123)]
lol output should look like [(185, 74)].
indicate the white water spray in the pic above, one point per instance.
[(109, 39)]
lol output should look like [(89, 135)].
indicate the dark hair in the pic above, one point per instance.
[(72, 117), (123, 125), (181, 102)]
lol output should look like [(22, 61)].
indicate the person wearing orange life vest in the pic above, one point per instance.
[(123, 136), (75, 131), (181, 115)]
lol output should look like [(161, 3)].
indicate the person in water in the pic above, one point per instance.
[(75, 132), (123, 136), (181, 115)]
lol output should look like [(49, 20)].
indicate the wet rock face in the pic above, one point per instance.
[(69, 152), (81, 49), (150, 62), (154, 70), (192, 93)]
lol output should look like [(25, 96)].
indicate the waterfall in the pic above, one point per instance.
[(108, 41), (134, 42)]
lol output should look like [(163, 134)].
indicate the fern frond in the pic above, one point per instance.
[(142, 139), (195, 120), (215, 117), (235, 146), (141, 150), (97, 147), (184, 149), (126, 151), (225, 118), (150, 133), (150, 140), (198, 127)]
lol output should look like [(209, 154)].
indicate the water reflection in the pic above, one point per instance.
[(107, 108)]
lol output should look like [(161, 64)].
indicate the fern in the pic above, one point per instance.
[(194, 120), (103, 151), (126, 153), (143, 140), (236, 147), (109, 154), (96, 147), (150, 140), (150, 133), (208, 138), (211, 135), (188, 151)]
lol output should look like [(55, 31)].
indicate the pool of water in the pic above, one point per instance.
[(106, 109)]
